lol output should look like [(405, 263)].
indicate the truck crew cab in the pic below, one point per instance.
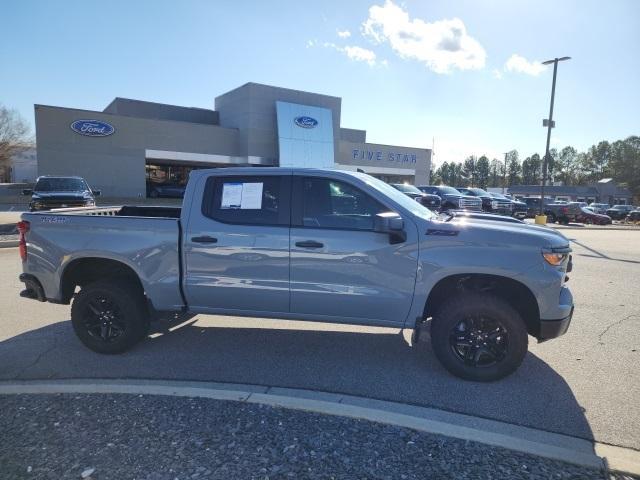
[(322, 245)]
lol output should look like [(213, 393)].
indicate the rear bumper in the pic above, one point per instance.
[(554, 328), (33, 288)]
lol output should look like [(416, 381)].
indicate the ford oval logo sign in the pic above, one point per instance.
[(92, 128), (305, 122)]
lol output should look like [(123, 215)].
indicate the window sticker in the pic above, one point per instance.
[(231, 195), (251, 196), (246, 196)]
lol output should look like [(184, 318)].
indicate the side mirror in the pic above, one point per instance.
[(27, 191), (392, 224), (96, 193)]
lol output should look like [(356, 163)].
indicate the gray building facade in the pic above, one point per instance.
[(604, 191), (132, 144)]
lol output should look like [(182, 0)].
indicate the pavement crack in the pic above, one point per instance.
[(611, 325), (37, 360)]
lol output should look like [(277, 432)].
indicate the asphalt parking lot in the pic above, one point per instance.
[(585, 384)]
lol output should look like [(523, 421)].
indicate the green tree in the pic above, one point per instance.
[(566, 168), (514, 169), (625, 162), (532, 170), (457, 177), (482, 171), (469, 169), (497, 172), (441, 175)]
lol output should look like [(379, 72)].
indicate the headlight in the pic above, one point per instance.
[(494, 205), (554, 259)]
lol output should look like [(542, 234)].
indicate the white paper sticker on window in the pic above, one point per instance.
[(251, 196), (231, 195)]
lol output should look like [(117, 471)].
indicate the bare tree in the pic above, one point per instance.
[(14, 138)]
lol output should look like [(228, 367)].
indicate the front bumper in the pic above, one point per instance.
[(554, 328)]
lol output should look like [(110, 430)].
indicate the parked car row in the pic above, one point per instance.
[(446, 198)]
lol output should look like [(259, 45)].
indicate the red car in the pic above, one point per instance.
[(589, 217)]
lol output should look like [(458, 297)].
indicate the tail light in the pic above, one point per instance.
[(23, 228), (564, 210)]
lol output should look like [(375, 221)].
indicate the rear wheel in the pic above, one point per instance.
[(110, 316), (479, 337), (551, 218)]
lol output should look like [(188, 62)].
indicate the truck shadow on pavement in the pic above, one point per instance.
[(375, 365)]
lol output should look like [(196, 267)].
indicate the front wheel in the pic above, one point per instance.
[(110, 316), (479, 337)]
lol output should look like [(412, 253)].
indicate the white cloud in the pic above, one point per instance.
[(344, 33), (356, 53), (311, 43), (517, 63), (497, 74), (360, 54), (441, 45)]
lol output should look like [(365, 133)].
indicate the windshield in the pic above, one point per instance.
[(60, 185), (478, 191), (403, 187), (397, 196), (448, 190), (497, 195)]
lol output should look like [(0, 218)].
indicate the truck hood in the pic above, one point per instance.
[(496, 232)]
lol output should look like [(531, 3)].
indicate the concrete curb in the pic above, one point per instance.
[(490, 432), (8, 243)]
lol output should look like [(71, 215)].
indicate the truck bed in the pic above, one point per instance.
[(145, 238)]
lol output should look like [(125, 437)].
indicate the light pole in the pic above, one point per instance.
[(549, 124)]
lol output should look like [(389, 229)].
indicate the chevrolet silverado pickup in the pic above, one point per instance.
[(306, 244)]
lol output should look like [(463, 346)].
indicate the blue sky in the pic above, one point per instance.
[(463, 72)]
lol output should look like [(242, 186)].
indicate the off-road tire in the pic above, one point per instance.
[(127, 298), (455, 310)]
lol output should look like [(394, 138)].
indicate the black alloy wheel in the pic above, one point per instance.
[(479, 342), (103, 320)]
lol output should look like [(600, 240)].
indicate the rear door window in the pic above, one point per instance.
[(248, 200)]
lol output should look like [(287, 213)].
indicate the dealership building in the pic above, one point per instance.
[(132, 144)]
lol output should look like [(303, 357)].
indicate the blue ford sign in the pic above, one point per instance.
[(305, 122), (92, 128)]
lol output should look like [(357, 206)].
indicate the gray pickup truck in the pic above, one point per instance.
[(321, 245)]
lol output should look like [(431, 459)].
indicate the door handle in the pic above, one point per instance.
[(309, 244), (204, 239)]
